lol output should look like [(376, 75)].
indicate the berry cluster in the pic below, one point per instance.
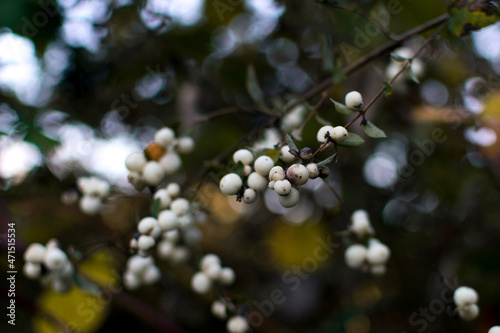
[(372, 257), (50, 264), (94, 190), (466, 300), (235, 324), (210, 272), (158, 160), (140, 271)]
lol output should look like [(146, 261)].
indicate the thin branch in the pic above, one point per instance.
[(214, 114)]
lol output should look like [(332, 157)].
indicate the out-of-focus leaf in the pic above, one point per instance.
[(341, 108), (44, 143), (388, 89), (155, 207), (471, 15), (327, 160), (290, 143), (255, 91), (412, 75), (398, 58), (373, 131), (321, 120), (326, 55), (274, 154), (352, 140)]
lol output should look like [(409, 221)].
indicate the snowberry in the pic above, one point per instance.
[(180, 206), (257, 182), (218, 309), (151, 275), (180, 254), (55, 259), (165, 199), (146, 225), (291, 199), (185, 220), (249, 196), (131, 281), (171, 163), (165, 249), (227, 276), (35, 253), (360, 223), (276, 173), (165, 137), (90, 205), (167, 220), (312, 170), (306, 153), (355, 255), (171, 235), (67, 270), (286, 156), (324, 171), (271, 185), (378, 253), (208, 260), (185, 145), (247, 169), (145, 242), (230, 184), (173, 190), (60, 286), (237, 324), (339, 133), (494, 329), (137, 264), (133, 244), (201, 283), (293, 119), (378, 270), (353, 100), (263, 165), (244, 156), (283, 187), (322, 133), (137, 180), (32, 270), (153, 173), (465, 296), (136, 162), (297, 174), (213, 272), (468, 312)]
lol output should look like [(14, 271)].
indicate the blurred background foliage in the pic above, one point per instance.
[(83, 83)]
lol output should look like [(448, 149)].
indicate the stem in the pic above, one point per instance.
[(403, 68), (214, 114)]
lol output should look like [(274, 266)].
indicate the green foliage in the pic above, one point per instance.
[(373, 131), (352, 140), (471, 15), (342, 109)]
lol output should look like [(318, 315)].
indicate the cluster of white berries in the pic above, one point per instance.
[(372, 257), (256, 181), (140, 271), (50, 264), (466, 300), (293, 119), (417, 65), (94, 190), (210, 272), (235, 324), (160, 159)]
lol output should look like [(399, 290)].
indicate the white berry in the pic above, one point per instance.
[(135, 162), (165, 199), (153, 173), (339, 133), (201, 283), (167, 220), (165, 249), (230, 184), (353, 100), (244, 156), (137, 264), (146, 225), (323, 131), (263, 165), (208, 260), (131, 281), (32, 270), (227, 276), (35, 253), (291, 199), (249, 196), (171, 163), (173, 190), (465, 296), (378, 253), (360, 223), (276, 173), (145, 242), (494, 329), (297, 174), (469, 312), (355, 255), (219, 309), (185, 145), (151, 275), (165, 137), (312, 170), (286, 156), (90, 205), (55, 259), (237, 324), (180, 206), (257, 182), (283, 187)]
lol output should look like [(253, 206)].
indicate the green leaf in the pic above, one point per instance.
[(326, 55), (373, 131), (412, 75), (255, 91), (471, 15), (155, 207), (398, 58), (342, 109), (388, 89), (321, 120), (290, 143), (352, 140), (239, 168), (36, 137), (338, 75), (274, 154), (326, 161)]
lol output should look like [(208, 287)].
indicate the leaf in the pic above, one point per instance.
[(290, 143), (155, 207), (388, 89), (239, 168), (352, 140), (255, 91), (274, 154), (321, 120), (326, 161), (373, 131), (412, 75), (338, 75), (326, 55), (471, 15), (342, 109), (41, 141), (398, 58)]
